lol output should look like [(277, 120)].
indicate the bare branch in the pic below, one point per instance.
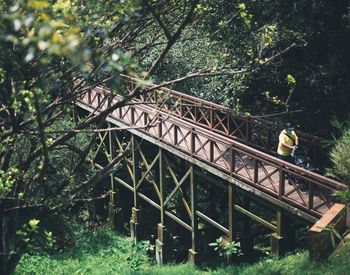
[(158, 19), (173, 39)]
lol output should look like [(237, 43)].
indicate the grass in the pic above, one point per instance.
[(97, 252), (104, 252)]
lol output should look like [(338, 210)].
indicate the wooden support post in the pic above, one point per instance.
[(134, 221), (111, 203), (230, 212), (134, 224), (192, 253), (256, 171), (176, 138), (281, 185), (195, 113), (320, 233), (247, 242), (247, 131), (283, 240), (181, 107), (161, 245), (160, 128), (311, 196), (132, 110), (161, 184), (231, 227), (232, 160), (228, 122), (211, 151), (192, 141)]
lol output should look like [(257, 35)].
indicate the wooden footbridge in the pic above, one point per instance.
[(197, 168)]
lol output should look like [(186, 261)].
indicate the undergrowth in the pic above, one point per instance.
[(103, 252)]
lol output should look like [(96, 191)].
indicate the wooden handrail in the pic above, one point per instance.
[(264, 156), (313, 142), (225, 143)]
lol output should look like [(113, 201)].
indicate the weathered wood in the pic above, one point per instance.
[(229, 179), (255, 217), (300, 200), (320, 232), (283, 240), (192, 253), (238, 165), (111, 203)]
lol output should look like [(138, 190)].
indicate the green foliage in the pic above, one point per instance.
[(95, 252), (225, 248), (7, 181), (340, 156), (103, 252), (37, 238), (334, 235), (46, 45)]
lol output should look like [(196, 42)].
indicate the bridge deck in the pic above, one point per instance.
[(244, 163)]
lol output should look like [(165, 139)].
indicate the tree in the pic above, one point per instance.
[(340, 156), (52, 51), (46, 47)]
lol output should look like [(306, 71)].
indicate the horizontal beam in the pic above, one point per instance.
[(212, 222), (229, 179), (128, 186), (169, 214), (255, 217)]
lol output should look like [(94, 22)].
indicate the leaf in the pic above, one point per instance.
[(35, 4), (33, 223), (291, 80)]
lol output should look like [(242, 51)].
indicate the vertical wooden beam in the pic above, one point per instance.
[(181, 107), (132, 110), (230, 212), (232, 159), (283, 240), (120, 112), (134, 221), (176, 138), (282, 182), (195, 113), (311, 196), (211, 151), (161, 229), (192, 141), (135, 166), (161, 184), (192, 253), (228, 122), (111, 203), (256, 171), (247, 242), (160, 129), (247, 130)]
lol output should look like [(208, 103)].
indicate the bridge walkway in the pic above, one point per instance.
[(225, 144)]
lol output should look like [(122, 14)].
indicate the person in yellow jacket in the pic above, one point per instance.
[(287, 140)]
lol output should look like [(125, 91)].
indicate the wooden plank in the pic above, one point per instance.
[(215, 171)]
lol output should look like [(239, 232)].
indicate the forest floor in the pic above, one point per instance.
[(104, 252)]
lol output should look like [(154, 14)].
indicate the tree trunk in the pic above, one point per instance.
[(3, 245)]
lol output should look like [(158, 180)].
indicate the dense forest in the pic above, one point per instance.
[(273, 59)]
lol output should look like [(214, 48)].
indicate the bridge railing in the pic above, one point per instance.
[(307, 191), (255, 132)]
